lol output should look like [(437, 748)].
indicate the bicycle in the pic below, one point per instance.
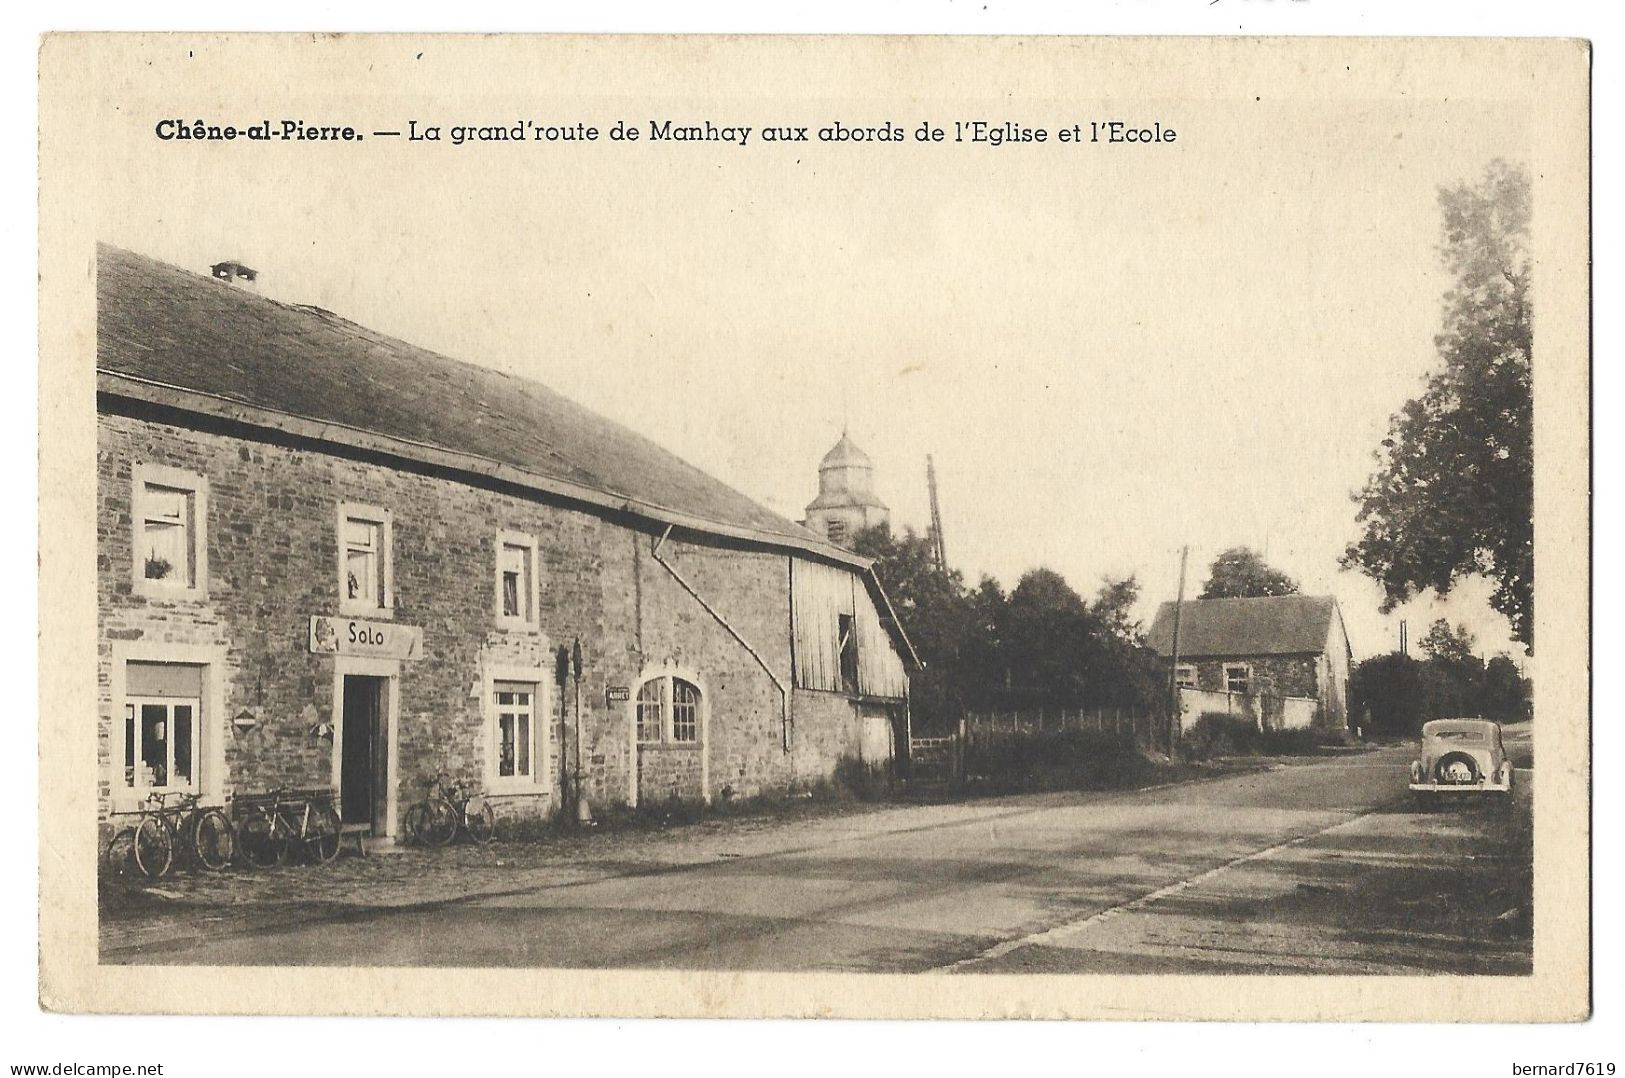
[(203, 835), (280, 821), (445, 810)]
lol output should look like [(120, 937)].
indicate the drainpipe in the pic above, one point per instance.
[(784, 693)]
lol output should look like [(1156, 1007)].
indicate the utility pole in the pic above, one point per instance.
[(1404, 638), (1173, 671), (938, 551)]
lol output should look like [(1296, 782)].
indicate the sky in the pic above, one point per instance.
[(1111, 353)]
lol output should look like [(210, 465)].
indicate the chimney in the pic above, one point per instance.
[(236, 273)]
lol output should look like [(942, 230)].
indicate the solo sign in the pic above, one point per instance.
[(374, 639)]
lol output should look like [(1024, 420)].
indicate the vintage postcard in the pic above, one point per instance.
[(872, 527)]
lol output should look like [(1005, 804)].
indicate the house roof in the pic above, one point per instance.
[(160, 326), (1274, 625), (183, 340)]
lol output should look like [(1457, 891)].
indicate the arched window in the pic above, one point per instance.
[(671, 696), (685, 711), (650, 708)]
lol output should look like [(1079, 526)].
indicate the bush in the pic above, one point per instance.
[(1216, 734), (1055, 760), (863, 781), (1301, 742)]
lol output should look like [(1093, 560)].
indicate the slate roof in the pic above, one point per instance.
[(1276, 625), (183, 339)]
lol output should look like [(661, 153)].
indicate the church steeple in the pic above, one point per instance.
[(846, 502)]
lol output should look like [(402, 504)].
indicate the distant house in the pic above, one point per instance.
[(1272, 650)]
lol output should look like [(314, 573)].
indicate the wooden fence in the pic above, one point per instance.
[(941, 759), (1109, 720)]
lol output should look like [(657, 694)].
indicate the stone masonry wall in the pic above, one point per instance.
[(1272, 675), (271, 534)]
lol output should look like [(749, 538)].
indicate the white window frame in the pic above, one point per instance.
[(671, 711), (209, 727), (1185, 675), (533, 599), (542, 761), (132, 708), (197, 487), (371, 514), (1246, 671), (637, 711), (702, 740)]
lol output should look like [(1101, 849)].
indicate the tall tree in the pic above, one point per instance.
[(1114, 607), (1241, 573), (1446, 644), (1046, 630), (1453, 492)]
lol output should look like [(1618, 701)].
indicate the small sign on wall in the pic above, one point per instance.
[(617, 694), (375, 639)]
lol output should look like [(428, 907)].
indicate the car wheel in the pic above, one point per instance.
[(1456, 768)]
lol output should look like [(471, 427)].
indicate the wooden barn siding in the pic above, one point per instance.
[(819, 595)]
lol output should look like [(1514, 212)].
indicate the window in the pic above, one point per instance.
[(366, 576), (1185, 676), (685, 711), (516, 724), (168, 511), (162, 705), (1238, 677), (650, 722), (845, 627), (516, 580), (668, 696), (517, 728)]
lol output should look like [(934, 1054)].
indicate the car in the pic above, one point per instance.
[(1461, 757)]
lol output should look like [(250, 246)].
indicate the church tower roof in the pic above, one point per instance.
[(846, 454), (846, 479)]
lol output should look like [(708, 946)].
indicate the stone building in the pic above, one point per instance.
[(1268, 651), (846, 502), (329, 559)]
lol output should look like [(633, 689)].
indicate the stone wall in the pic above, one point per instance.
[(273, 557), (1279, 676)]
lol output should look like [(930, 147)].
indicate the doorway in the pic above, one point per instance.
[(363, 754)]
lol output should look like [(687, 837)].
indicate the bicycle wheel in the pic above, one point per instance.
[(480, 819), (118, 860), (260, 843), (322, 833), (154, 846), (213, 839), (416, 824), (441, 826)]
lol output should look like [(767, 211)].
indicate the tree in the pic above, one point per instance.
[(1444, 644), (1240, 573), (1454, 488), (1114, 607), (1387, 693), (1506, 690), (1047, 626), (1040, 646)]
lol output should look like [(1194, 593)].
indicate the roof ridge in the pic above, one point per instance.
[(151, 328)]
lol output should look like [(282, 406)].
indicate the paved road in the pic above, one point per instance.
[(1318, 865)]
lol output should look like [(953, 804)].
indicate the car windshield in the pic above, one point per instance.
[(1457, 735)]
